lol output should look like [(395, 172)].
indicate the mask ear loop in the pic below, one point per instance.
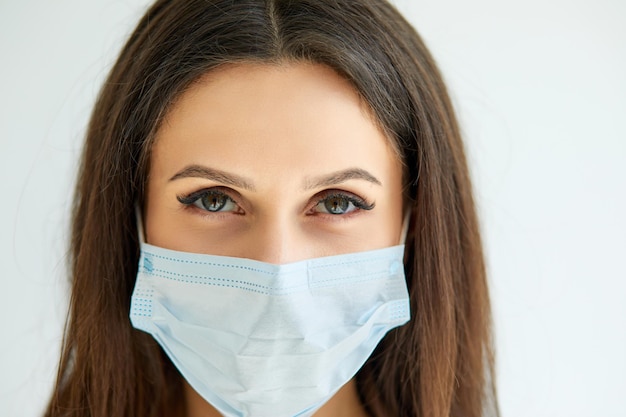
[(139, 221), (405, 226)]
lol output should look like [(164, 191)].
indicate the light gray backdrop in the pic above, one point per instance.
[(540, 88)]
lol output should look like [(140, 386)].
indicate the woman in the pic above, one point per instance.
[(277, 139)]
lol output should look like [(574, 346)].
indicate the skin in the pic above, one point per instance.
[(274, 149)]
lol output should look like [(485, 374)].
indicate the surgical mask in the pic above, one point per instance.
[(261, 340)]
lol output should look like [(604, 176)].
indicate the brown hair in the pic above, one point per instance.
[(439, 364)]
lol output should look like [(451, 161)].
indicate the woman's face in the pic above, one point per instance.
[(276, 163)]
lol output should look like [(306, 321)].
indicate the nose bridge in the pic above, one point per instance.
[(274, 240)]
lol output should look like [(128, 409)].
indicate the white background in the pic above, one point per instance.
[(540, 88)]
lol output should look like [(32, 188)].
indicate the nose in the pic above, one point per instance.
[(276, 241)]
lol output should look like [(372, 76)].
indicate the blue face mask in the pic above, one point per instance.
[(263, 340)]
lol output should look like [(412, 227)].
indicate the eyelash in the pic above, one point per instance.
[(358, 202), (193, 198)]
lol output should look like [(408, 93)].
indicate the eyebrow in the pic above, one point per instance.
[(339, 177), (199, 171), (334, 178)]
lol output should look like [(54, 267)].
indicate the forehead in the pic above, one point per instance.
[(279, 119)]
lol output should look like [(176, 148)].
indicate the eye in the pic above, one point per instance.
[(211, 200), (341, 203)]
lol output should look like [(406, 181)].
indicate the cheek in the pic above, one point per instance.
[(384, 228), (394, 201), (161, 227), (391, 223), (155, 222)]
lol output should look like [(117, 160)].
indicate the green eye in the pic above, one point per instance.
[(337, 205), (215, 202), (340, 203), (210, 200)]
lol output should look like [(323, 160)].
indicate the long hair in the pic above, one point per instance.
[(439, 364)]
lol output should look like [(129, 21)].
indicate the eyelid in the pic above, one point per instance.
[(190, 198), (359, 202)]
